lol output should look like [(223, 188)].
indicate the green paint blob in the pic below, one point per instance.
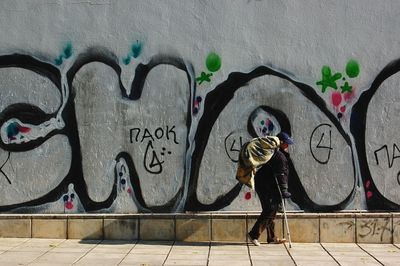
[(352, 68), (328, 80), (326, 71), (213, 62)]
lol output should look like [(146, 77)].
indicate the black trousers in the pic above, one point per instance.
[(266, 219)]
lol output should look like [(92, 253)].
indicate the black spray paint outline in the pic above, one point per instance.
[(215, 102), (358, 128), (28, 113), (223, 92), (102, 55)]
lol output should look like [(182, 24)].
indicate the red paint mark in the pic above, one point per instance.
[(69, 205), (369, 194), (129, 190), (247, 196), (336, 98), (24, 129), (343, 109), (367, 184)]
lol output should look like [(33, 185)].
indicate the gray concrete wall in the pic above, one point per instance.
[(137, 106)]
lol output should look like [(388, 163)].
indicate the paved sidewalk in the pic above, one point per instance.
[(20, 251)]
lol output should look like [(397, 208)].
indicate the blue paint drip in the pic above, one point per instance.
[(67, 53), (12, 130), (59, 60), (136, 49), (126, 60), (68, 50)]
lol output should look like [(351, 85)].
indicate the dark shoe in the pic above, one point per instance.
[(254, 240)]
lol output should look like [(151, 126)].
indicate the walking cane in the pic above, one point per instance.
[(284, 213)]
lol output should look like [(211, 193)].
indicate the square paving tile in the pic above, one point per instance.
[(143, 259), (59, 258), (185, 262), (140, 263), (13, 241), (111, 246), (356, 260), (20, 258), (193, 251), (229, 256), (229, 262), (78, 243), (100, 259), (201, 257), (269, 262), (316, 262), (48, 264)]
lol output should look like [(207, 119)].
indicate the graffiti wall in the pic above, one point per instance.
[(142, 106)]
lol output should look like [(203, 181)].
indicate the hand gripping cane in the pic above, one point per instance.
[(284, 214)]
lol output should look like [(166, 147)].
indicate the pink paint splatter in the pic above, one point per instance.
[(343, 109), (367, 184), (336, 98), (129, 190), (369, 194), (348, 96), (247, 196)]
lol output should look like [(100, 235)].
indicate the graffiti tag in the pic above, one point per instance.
[(152, 159), (159, 133), (390, 161), (395, 154), (322, 135), (374, 228)]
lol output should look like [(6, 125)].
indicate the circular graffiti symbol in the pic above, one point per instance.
[(322, 150), (234, 147)]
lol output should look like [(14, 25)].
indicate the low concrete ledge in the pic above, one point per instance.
[(193, 228), (340, 227), (15, 227)]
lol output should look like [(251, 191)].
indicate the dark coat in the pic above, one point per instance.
[(277, 167)]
